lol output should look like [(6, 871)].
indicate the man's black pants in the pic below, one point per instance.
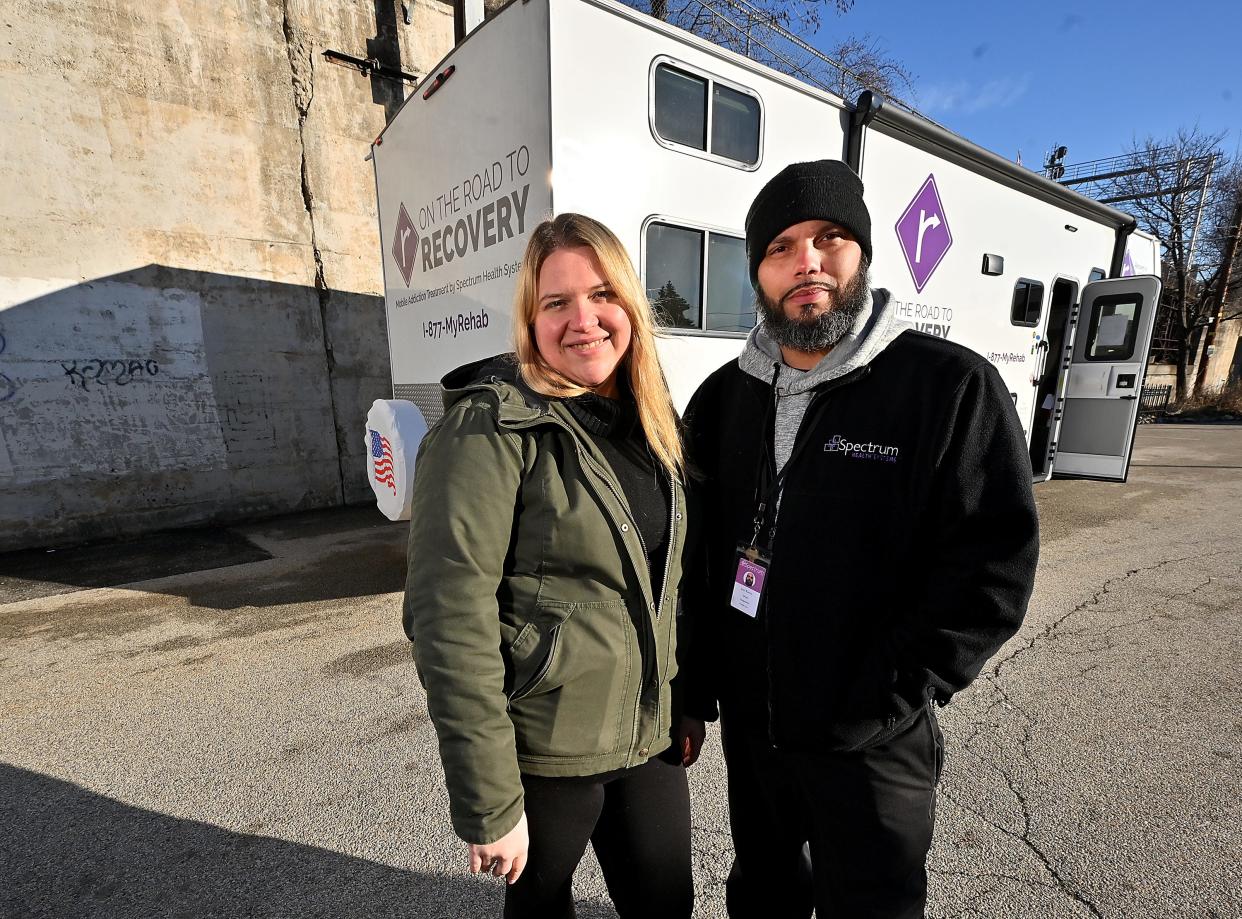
[(866, 818)]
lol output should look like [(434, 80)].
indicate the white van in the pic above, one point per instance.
[(589, 106)]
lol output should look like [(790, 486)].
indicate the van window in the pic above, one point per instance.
[(698, 112), (681, 107), (688, 269), (735, 125), (1097, 274), (1113, 328), (674, 275), (1028, 301), (730, 298)]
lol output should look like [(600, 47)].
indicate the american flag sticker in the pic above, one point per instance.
[(381, 458)]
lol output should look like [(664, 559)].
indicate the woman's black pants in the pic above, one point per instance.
[(638, 821)]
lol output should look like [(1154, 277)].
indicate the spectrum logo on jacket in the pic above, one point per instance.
[(862, 450)]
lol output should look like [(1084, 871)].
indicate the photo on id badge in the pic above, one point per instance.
[(748, 586)]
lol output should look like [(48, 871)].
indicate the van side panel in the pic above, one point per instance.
[(1143, 255), (461, 178), (932, 221)]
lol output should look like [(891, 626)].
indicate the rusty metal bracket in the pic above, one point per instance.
[(369, 66)]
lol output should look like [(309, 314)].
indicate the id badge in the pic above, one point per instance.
[(748, 578)]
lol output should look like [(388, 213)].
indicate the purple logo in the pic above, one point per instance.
[(405, 244), (1127, 266), (923, 232)]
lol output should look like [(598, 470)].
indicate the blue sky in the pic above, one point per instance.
[(1090, 75)]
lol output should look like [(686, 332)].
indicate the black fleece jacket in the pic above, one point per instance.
[(904, 552)]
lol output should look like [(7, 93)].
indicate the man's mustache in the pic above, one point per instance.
[(822, 285)]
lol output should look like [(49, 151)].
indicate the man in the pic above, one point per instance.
[(869, 541)]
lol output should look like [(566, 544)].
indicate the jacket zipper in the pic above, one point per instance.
[(668, 555), (815, 405), (658, 602)]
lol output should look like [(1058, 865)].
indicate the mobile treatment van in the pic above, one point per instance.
[(589, 106)]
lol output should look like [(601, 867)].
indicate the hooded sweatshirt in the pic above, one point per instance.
[(871, 333)]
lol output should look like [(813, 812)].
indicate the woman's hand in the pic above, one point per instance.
[(690, 739), (506, 857)]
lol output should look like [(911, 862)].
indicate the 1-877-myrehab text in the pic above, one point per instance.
[(456, 324)]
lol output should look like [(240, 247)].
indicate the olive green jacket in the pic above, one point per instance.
[(537, 633)]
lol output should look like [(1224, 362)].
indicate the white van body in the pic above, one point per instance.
[(552, 106)]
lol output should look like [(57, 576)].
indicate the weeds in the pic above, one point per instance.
[(1221, 403)]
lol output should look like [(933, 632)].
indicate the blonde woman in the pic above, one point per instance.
[(545, 554)]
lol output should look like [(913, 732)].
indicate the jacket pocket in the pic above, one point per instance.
[(532, 653), (581, 684)]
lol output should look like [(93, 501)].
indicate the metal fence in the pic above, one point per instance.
[(1153, 401)]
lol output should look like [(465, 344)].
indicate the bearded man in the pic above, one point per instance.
[(869, 540)]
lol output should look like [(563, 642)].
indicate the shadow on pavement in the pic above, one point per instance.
[(71, 854), (355, 553), (32, 573)]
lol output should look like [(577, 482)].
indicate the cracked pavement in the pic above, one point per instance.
[(250, 740)]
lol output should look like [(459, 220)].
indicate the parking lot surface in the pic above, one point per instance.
[(244, 734)]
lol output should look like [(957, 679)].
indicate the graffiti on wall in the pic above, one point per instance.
[(8, 386), (114, 372)]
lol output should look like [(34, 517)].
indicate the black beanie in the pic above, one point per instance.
[(822, 190)]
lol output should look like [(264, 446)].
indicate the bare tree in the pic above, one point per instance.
[(1170, 192), (768, 31), (1224, 223), (865, 64), (775, 10)]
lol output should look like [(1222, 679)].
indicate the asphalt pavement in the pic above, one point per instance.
[(244, 734)]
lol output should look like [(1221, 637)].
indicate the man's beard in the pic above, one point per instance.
[(820, 331)]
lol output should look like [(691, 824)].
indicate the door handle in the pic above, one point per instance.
[(1130, 397), (1041, 362)]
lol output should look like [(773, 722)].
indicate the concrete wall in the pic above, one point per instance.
[(1224, 361), (191, 320)]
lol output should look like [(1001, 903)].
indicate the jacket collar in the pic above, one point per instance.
[(516, 402)]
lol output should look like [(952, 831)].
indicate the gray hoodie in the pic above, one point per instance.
[(871, 333)]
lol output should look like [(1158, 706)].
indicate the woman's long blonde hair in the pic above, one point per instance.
[(641, 365)]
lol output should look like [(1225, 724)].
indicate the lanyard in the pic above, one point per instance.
[(769, 484)]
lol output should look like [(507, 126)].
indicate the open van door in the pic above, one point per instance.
[(1109, 357)]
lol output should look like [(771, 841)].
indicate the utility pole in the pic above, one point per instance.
[(1194, 236), (1222, 291)]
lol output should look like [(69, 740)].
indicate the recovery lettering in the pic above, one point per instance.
[(491, 224)]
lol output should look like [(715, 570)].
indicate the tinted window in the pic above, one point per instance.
[(730, 298), (735, 125), (1028, 300), (1097, 274), (681, 107), (674, 275), (1114, 326)]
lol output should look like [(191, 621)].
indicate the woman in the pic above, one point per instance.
[(545, 552)]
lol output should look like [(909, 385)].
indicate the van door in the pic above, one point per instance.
[(1109, 357), (1051, 372)]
